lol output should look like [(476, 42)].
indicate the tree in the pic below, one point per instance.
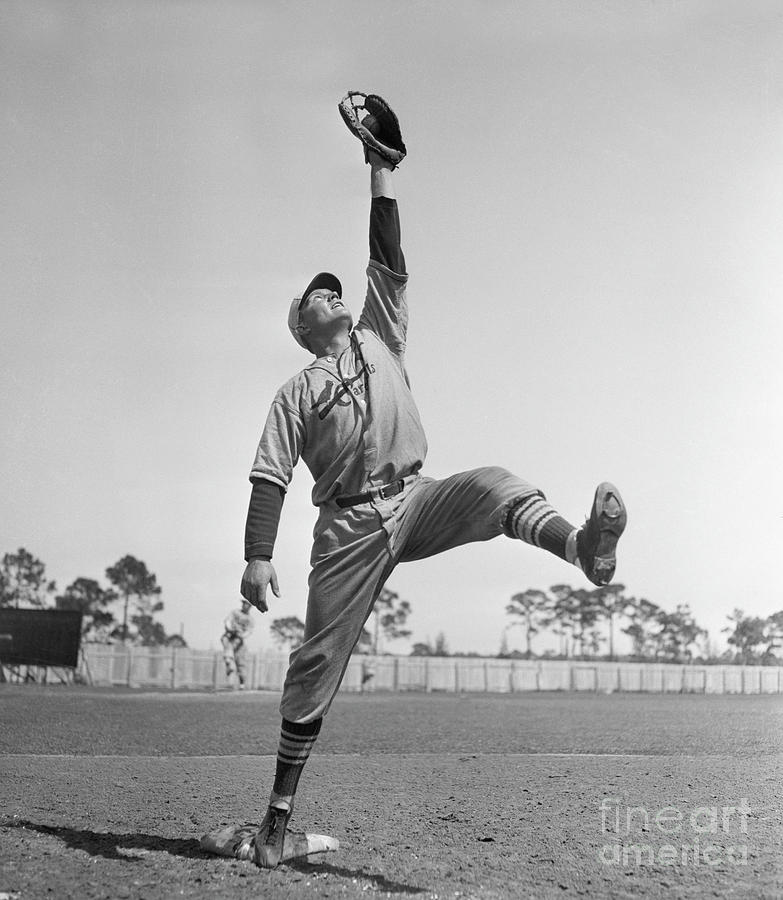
[(134, 581), (23, 582), (441, 647), (176, 640), (747, 635), (427, 648), (774, 636), (678, 631), (585, 614), (532, 607), (560, 618), (643, 628), (389, 616), (594, 639), (611, 603), (571, 614), (86, 596), (287, 632), (149, 632)]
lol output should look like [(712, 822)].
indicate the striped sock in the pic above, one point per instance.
[(534, 521), (296, 742)]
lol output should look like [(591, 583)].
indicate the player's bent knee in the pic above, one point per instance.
[(492, 478), (505, 486)]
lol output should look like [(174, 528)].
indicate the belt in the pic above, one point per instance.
[(380, 493)]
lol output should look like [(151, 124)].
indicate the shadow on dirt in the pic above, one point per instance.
[(115, 846), (122, 847), (376, 882)]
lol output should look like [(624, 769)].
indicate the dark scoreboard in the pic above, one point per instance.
[(40, 637)]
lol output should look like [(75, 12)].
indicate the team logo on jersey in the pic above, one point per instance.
[(338, 393)]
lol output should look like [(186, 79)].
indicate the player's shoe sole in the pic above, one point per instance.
[(596, 542), (270, 840)]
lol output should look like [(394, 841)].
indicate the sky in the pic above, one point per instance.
[(591, 210)]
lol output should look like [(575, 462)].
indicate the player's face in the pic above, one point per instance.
[(322, 311)]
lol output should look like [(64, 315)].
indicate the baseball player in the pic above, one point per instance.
[(350, 415), (236, 628)]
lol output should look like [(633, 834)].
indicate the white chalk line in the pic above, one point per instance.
[(464, 755)]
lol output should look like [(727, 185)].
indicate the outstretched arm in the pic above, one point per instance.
[(385, 309), (385, 245), (381, 184)]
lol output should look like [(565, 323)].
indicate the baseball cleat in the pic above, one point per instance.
[(270, 840), (597, 539)]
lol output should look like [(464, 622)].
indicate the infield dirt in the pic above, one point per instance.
[(105, 793)]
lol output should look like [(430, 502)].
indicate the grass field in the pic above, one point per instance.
[(105, 793)]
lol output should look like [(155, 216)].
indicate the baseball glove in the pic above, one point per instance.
[(378, 130)]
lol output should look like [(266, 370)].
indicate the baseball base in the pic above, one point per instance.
[(236, 841)]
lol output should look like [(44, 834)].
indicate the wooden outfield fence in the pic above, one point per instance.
[(169, 667)]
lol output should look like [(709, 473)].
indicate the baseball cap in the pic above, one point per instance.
[(321, 280)]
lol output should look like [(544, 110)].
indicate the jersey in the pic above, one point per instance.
[(238, 623), (351, 418)]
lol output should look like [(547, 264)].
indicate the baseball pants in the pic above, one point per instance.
[(355, 551), (234, 656)]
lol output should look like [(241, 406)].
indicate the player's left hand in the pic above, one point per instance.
[(378, 130)]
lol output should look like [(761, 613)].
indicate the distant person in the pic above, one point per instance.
[(351, 416), (368, 669), (237, 627)]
